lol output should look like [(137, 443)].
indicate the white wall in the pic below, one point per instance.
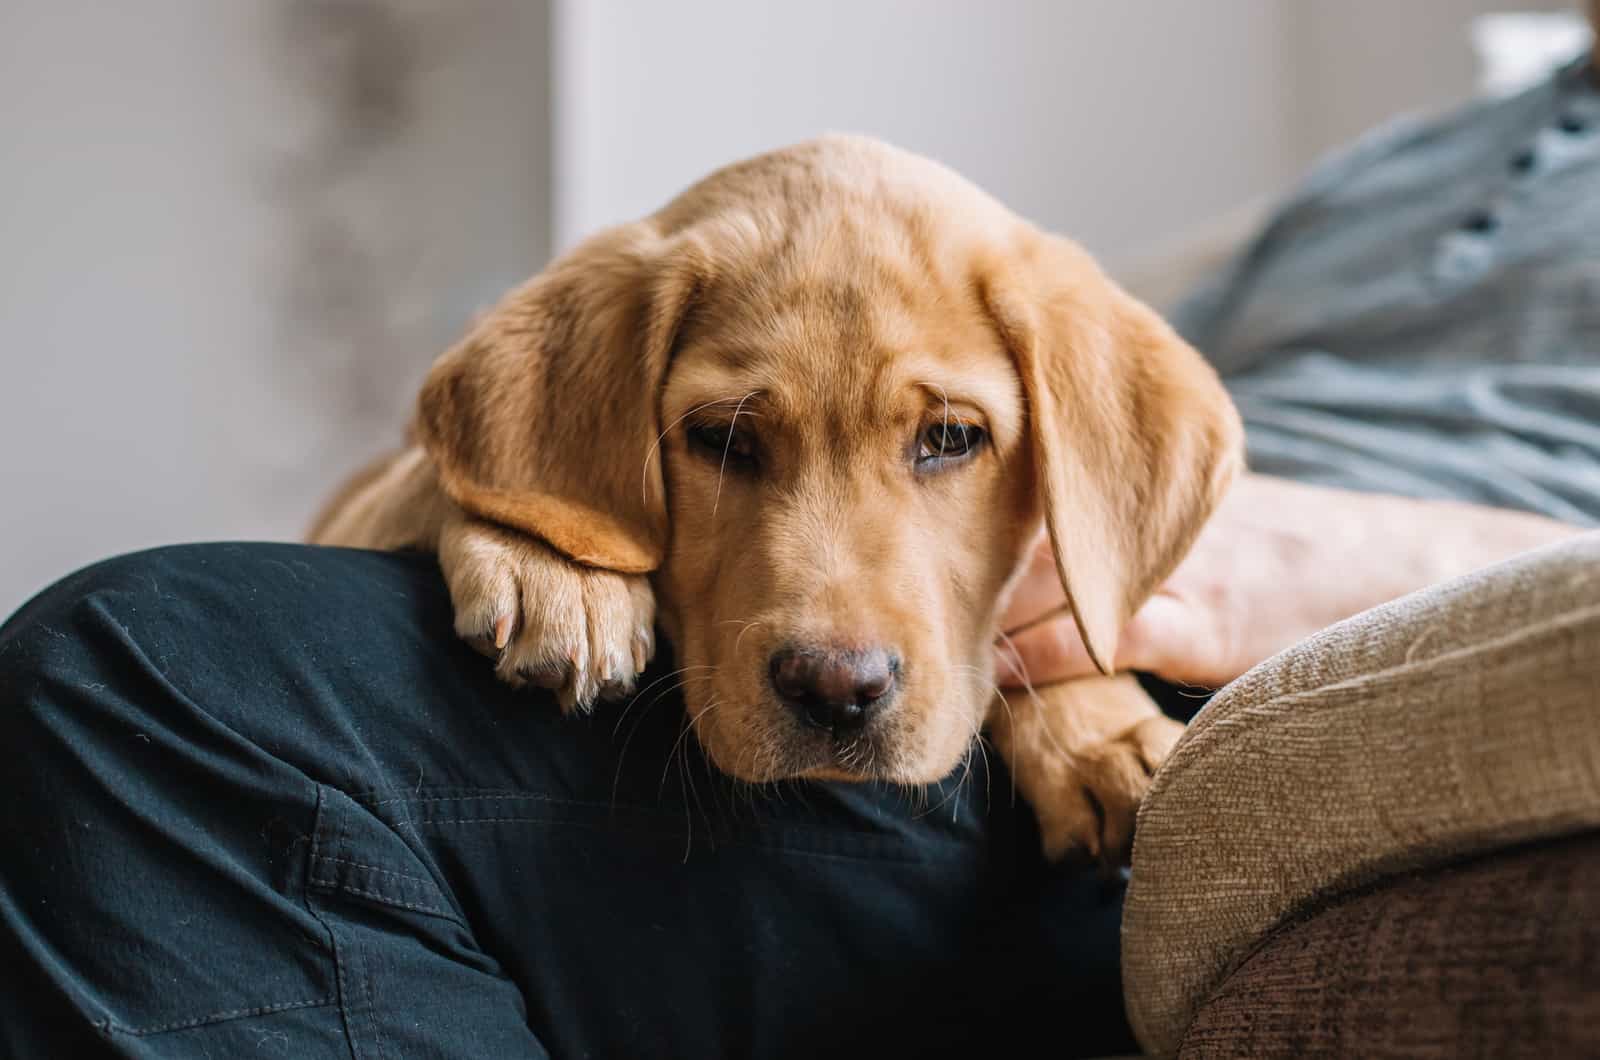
[(234, 236), (235, 233), (1358, 61), (1113, 120)]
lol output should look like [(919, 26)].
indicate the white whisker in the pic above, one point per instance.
[(723, 467), (978, 727), (967, 771), (687, 728), (640, 694), (622, 756), (1027, 685), (945, 427), (644, 473), (748, 626)]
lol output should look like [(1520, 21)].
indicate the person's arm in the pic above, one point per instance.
[(1279, 561)]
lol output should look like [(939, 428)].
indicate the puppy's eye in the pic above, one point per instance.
[(947, 441), (722, 442)]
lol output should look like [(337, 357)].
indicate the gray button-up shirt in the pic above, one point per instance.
[(1423, 316)]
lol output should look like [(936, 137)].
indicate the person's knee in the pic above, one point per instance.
[(132, 790), (75, 665), (335, 661), (187, 603), (215, 627), (124, 606), (59, 638)]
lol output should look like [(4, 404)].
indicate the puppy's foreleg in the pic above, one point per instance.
[(1082, 753)]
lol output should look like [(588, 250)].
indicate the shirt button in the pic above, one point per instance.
[(1481, 223), (1523, 161), (1572, 124)]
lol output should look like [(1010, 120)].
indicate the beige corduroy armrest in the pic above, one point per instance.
[(1451, 722)]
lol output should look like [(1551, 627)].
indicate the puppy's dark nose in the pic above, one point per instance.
[(836, 689)]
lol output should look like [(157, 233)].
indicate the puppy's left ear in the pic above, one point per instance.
[(1134, 438), (545, 417)]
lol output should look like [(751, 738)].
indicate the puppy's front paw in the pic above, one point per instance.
[(547, 621), (1090, 801)]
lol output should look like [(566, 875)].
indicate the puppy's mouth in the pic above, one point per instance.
[(830, 714), (856, 758), (767, 743)]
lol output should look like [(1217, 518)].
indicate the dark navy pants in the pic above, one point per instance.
[(259, 801)]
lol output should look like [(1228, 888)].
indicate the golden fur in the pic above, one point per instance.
[(828, 303)]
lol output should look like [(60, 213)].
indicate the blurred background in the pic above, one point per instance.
[(235, 234)]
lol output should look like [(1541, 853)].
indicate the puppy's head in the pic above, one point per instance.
[(826, 396)]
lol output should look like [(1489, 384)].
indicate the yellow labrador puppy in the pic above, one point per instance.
[(808, 417)]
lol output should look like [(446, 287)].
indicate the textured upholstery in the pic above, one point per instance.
[(1493, 959), (1455, 721)]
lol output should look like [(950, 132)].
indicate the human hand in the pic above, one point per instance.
[(1277, 562)]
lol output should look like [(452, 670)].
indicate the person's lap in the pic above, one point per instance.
[(262, 800)]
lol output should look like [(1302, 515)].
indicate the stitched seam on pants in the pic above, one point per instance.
[(864, 845), (424, 880), (652, 819), (378, 1044), (594, 826), (504, 795), (335, 886), (112, 1027), (439, 795), (422, 894), (435, 884), (333, 937)]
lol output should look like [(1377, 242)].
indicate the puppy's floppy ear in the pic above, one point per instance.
[(545, 417), (1134, 438)]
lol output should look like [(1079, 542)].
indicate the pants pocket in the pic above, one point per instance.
[(412, 981)]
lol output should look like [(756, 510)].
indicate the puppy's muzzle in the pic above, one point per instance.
[(837, 689)]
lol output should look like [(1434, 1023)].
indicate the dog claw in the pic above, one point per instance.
[(502, 632), (574, 697)]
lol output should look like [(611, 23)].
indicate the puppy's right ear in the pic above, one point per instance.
[(1135, 438), (545, 417)]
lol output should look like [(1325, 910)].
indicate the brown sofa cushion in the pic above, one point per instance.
[(1495, 958), (1453, 722)]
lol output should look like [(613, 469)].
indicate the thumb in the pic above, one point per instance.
[(1160, 639), (1166, 638), (1045, 652)]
